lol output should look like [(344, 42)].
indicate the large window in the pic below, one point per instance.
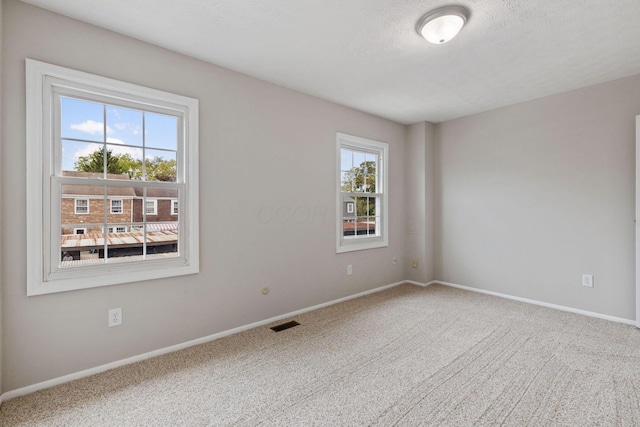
[(93, 143), (362, 193)]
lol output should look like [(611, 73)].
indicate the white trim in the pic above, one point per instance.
[(540, 303), (174, 203), (637, 221), (123, 362), (424, 285)]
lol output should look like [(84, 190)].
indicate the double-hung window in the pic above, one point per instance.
[(116, 206), (81, 206), (151, 207), (361, 206), (93, 143)]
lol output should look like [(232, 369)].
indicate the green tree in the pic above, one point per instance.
[(157, 169), (94, 162), (362, 179)]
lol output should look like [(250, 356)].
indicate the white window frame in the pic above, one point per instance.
[(121, 206), (174, 207), (155, 207), (350, 208), (45, 273), (381, 238), (75, 206)]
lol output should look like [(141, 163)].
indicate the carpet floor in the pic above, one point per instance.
[(406, 356)]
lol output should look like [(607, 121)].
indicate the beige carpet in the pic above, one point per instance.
[(407, 356)]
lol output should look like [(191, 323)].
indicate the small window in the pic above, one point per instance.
[(81, 206), (350, 208), (362, 207), (117, 230), (101, 142), (151, 207), (116, 206), (174, 207)]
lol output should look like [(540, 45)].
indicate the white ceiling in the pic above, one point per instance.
[(367, 55)]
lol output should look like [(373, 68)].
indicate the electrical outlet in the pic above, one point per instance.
[(395, 259), (414, 263), (265, 290), (349, 270), (115, 317), (587, 280)]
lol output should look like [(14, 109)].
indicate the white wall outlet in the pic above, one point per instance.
[(349, 270), (414, 263), (587, 280), (265, 290), (115, 317)]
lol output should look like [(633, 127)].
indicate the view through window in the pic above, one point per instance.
[(362, 206)]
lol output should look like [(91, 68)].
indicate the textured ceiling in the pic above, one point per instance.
[(367, 55)]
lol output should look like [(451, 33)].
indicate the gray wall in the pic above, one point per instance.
[(1, 201), (532, 196), (267, 201), (419, 174), (522, 200)]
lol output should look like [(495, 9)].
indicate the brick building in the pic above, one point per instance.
[(84, 204)]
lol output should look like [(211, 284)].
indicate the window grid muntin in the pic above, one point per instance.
[(106, 101), (378, 196)]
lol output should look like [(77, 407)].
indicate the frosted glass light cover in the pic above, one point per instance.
[(442, 29)]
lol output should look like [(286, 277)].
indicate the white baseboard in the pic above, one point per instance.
[(102, 368), (424, 285), (540, 303)]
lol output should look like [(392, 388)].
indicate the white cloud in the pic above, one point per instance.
[(91, 127)]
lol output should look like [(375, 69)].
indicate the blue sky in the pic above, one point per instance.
[(124, 131)]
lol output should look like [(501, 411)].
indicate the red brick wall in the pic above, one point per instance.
[(95, 215)]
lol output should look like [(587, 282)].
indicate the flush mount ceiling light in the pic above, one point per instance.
[(442, 24)]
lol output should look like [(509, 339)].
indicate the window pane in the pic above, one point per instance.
[(346, 159), (160, 165), (161, 131), (162, 240), (348, 181), (124, 125), (358, 159), (81, 204), (82, 120), (82, 156), (365, 206)]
